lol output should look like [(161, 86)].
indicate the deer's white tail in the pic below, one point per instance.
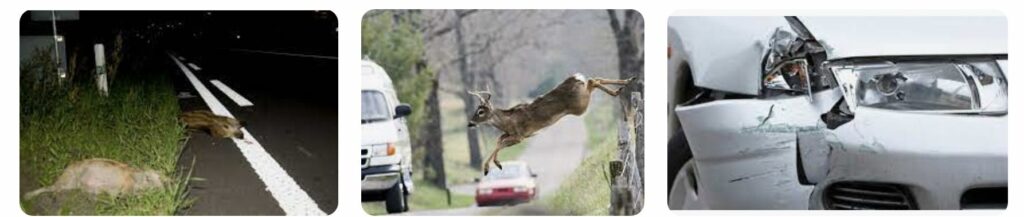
[(579, 76)]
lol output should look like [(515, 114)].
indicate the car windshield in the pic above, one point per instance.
[(507, 172), (375, 108)]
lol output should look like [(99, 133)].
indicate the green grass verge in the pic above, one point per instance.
[(586, 191), (136, 124), (426, 197)]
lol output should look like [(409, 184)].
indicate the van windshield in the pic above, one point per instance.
[(375, 107)]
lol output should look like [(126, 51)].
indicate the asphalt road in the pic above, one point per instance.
[(293, 116), (554, 153)]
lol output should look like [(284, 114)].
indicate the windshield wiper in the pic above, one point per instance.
[(366, 121)]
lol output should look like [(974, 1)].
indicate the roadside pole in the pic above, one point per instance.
[(101, 69)]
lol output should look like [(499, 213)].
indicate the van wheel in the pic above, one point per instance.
[(396, 201)]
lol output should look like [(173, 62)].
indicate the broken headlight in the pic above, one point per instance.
[(972, 85), (790, 65)]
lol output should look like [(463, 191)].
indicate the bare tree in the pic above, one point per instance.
[(629, 39), (432, 138), (628, 28), (479, 49)]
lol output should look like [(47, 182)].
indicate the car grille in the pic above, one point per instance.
[(502, 190), (984, 198), (863, 195), (365, 157)]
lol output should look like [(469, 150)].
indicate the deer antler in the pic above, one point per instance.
[(484, 96)]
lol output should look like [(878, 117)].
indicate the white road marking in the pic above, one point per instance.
[(288, 54), (194, 66), (304, 151), (181, 58), (241, 101), (290, 197)]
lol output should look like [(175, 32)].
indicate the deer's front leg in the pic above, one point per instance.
[(504, 141)]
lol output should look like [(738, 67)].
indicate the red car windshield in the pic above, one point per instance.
[(507, 172)]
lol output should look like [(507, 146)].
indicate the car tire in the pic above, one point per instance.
[(396, 201), (678, 154)]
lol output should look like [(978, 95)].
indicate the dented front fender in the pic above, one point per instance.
[(745, 150)]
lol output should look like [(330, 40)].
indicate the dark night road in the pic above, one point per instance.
[(293, 116)]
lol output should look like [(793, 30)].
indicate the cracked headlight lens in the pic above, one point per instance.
[(931, 85)]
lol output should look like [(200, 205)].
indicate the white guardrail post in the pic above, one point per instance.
[(101, 69)]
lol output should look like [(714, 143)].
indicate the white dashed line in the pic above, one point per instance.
[(241, 101), (181, 58), (290, 197), (194, 66)]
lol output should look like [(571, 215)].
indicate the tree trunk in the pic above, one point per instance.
[(468, 80), (629, 43), (432, 139)]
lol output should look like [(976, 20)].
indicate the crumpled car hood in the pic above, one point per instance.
[(724, 53), (910, 35)]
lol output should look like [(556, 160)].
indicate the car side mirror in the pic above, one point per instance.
[(402, 110)]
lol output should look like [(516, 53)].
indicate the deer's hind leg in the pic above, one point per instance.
[(600, 82), (610, 81), (504, 141)]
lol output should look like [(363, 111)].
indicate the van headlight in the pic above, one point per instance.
[(967, 85), (383, 150)]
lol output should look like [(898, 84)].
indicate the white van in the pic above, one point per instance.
[(385, 152)]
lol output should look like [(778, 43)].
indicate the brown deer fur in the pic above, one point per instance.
[(519, 122), (97, 176), (216, 125)]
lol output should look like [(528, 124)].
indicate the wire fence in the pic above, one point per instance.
[(627, 184)]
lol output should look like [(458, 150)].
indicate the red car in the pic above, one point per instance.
[(515, 183)]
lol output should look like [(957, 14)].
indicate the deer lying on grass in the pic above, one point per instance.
[(572, 96)]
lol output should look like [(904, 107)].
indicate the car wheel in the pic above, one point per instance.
[(685, 195), (678, 154), (396, 201)]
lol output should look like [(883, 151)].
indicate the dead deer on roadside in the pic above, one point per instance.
[(572, 96)]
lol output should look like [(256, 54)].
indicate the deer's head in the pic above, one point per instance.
[(483, 111)]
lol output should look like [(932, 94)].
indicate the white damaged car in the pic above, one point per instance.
[(831, 112)]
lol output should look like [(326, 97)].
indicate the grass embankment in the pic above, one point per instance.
[(586, 191), (136, 124)]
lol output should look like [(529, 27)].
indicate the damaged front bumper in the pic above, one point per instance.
[(745, 150), (922, 161), (776, 154)]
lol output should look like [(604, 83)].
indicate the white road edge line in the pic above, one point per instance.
[(194, 66), (238, 98), (290, 197), (288, 54)]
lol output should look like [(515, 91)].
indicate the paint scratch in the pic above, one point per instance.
[(756, 175)]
